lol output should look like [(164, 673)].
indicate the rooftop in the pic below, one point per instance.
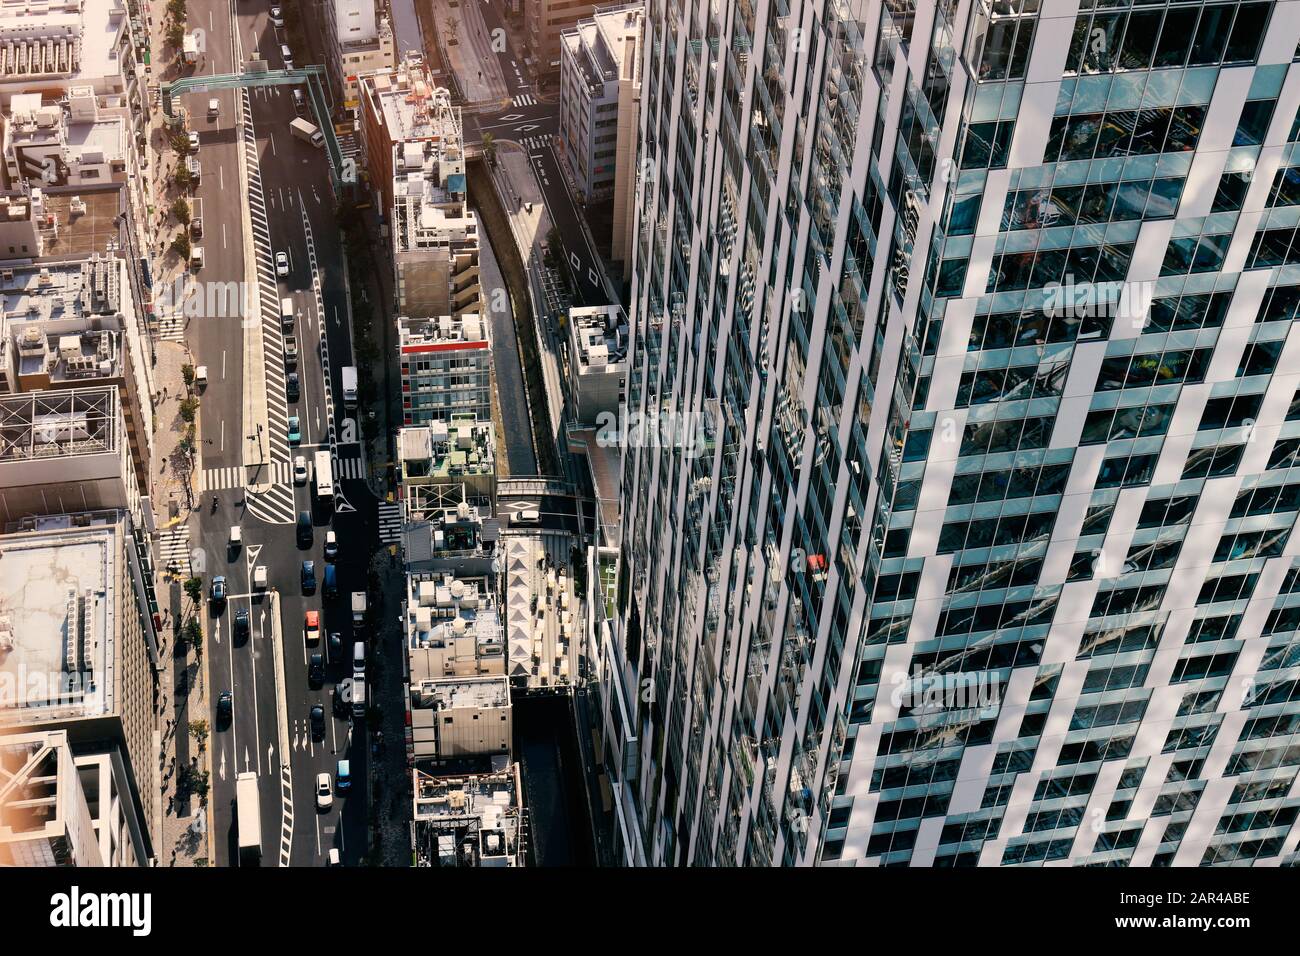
[(412, 107), (59, 423), (467, 331), (600, 335), (60, 39), (474, 693), (440, 450), (468, 820), (58, 603)]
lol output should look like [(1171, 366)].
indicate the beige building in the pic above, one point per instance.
[(79, 658), (62, 808), (544, 21), (461, 719)]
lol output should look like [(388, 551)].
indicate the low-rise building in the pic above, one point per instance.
[(453, 627), (598, 339), (446, 464), (458, 720), (446, 368), (469, 820)]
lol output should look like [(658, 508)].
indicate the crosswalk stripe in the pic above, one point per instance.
[(174, 549), (390, 523)]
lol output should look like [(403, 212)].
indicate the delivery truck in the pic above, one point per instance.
[(248, 818), (307, 132), (350, 386)]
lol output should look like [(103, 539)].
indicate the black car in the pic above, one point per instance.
[(305, 533), (317, 722), (316, 671), (336, 646), (225, 708), (241, 624), (309, 577), (291, 387)]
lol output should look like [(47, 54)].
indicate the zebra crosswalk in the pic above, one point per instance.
[(276, 472), (535, 143), (524, 99), (174, 550), (390, 522), (172, 328)]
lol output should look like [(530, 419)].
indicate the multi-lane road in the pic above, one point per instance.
[(282, 201)]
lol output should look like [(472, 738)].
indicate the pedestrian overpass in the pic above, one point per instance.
[(312, 77)]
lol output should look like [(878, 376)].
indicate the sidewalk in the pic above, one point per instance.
[(185, 818), (183, 684), (469, 59)]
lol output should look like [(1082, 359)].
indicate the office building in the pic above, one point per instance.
[(453, 628), (600, 59), (63, 808), (69, 325), (360, 40), (989, 308), (446, 366), (544, 22), (447, 465), (460, 719), (78, 628)]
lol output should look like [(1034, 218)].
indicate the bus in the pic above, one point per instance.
[(324, 472), (248, 818)]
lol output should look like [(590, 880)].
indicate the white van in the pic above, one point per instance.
[(201, 376), (287, 55), (527, 516), (359, 659), (259, 577), (236, 537), (286, 314), (196, 258), (214, 108)]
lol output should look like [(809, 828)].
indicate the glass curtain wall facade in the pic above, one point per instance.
[(983, 311)]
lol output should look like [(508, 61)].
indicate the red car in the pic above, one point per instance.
[(311, 627)]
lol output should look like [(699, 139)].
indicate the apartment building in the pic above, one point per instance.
[(453, 721), (990, 307)]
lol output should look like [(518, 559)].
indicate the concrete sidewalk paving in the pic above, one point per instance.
[(470, 58)]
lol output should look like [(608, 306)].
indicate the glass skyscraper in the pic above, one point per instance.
[(982, 312)]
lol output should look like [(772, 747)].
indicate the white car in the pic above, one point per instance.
[(324, 792), (300, 470), (277, 17), (282, 264), (194, 141)]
